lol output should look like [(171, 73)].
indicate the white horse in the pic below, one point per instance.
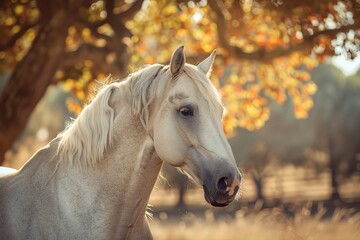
[(94, 180)]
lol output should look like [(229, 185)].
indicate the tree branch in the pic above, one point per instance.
[(16, 36), (85, 51), (307, 43), (117, 21), (82, 23), (221, 25), (131, 11), (97, 55), (262, 54)]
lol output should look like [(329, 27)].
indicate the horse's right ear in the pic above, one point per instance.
[(177, 61)]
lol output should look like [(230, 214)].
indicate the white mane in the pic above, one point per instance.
[(144, 86), (90, 134), (85, 140)]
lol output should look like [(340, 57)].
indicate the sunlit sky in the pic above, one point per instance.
[(348, 67)]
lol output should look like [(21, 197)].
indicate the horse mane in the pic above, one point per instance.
[(144, 86), (204, 85), (87, 137), (85, 140)]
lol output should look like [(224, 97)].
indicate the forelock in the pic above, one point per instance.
[(203, 83)]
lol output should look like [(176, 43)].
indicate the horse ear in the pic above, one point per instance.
[(206, 65), (177, 61)]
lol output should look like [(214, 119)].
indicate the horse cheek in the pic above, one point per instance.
[(169, 145)]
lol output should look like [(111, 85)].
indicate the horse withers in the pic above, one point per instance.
[(94, 180)]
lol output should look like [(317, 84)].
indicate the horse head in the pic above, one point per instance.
[(187, 128)]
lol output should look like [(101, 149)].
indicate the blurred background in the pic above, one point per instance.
[(289, 73)]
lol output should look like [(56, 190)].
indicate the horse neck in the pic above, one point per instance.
[(114, 193), (127, 174)]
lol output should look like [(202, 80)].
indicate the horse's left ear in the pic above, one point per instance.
[(206, 65), (177, 61)]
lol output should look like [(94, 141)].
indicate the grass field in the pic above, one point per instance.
[(266, 224)]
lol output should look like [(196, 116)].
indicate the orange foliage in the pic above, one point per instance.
[(247, 84)]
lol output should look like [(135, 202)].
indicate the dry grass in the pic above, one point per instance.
[(268, 224)]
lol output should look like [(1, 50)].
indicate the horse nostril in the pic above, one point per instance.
[(222, 185)]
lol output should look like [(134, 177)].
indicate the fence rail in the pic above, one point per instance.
[(287, 187)]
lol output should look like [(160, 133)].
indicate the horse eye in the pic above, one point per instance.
[(186, 111)]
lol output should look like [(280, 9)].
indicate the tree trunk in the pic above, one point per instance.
[(31, 78), (333, 159), (259, 187), (334, 184), (182, 191)]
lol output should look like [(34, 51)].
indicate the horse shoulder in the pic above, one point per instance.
[(22, 196)]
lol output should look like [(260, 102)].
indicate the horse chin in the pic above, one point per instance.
[(212, 201), (216, 204)]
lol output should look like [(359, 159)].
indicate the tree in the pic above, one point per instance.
[(51, 30), (337, 118), (174, 178), (326, 141), (266, 46)]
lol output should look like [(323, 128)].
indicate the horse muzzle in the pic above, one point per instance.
[(222, 192)]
